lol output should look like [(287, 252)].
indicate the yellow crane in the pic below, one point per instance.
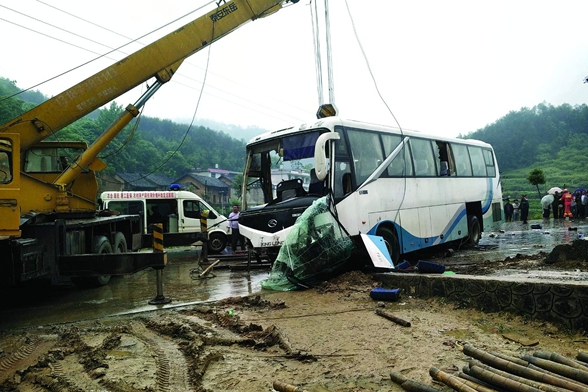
[(48, 222)]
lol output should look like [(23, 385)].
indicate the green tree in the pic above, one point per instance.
[(536, 177)]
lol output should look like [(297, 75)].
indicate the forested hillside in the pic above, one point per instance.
[(552, 138), (146, 145)]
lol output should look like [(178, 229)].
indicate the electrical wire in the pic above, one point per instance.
[(102, 55), (271, 113), (185, 63), (385, 104), (193, 116)]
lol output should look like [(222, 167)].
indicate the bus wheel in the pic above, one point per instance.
[(217, 243), (100, 245), (474, 232), (391, 241)]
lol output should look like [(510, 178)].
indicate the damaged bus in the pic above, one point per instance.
[(413, 190)]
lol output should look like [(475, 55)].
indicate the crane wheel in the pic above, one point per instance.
[(100, 245)]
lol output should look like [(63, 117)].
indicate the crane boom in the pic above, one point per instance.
[(159, 59)]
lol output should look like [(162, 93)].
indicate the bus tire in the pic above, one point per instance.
[(100, 245), (217, 243), (474, 232), (120, 243), (391, 240)]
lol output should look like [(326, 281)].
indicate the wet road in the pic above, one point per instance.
[(512, 238), (37, 306)]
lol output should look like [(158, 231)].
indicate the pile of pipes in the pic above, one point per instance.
[(486, 372)]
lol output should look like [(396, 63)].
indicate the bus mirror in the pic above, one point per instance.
[(320, 154)]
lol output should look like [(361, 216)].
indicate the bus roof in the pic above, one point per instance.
[(331, 122)]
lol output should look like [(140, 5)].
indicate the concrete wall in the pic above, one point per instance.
[(563, 303)]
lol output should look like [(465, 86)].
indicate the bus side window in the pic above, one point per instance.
[(463, 166), (477, 159), (424, 160), (444, 154), (489, 160)]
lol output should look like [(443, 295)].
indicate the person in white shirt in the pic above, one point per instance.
[(233, 228)]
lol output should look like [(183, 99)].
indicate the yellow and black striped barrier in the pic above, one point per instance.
[(204, 221), (158, 237)]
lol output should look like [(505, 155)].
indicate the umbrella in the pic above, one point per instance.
[(579, 190), (554, 189)]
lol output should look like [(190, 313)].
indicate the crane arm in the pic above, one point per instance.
[(159, 59)]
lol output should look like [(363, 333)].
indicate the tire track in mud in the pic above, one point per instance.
[(77, 379), (172, 369), (26, 355)]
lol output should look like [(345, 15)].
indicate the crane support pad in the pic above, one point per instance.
[(110, 264)]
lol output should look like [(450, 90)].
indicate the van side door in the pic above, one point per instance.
[(190, 216)]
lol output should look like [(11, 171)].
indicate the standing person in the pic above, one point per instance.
[(233, 227), (579, 206), (584, 205), (524, 207), (567, 202), (508, 211), (515, 210), (555, 205), (546, 202)]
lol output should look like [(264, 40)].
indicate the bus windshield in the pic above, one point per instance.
[(279, 169)]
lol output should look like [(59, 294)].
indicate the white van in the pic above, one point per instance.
[(178, 211)]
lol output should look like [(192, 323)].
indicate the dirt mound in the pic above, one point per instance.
[(577, 251), (348, 281)]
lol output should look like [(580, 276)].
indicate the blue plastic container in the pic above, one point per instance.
[(382, 294), (429, 267), (404, 265)]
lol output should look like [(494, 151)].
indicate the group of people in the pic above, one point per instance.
[(565, 205), (517, 210)]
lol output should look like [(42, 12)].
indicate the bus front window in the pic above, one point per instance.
[(277, 165)]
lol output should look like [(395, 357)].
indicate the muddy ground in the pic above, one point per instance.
[(328, 338)]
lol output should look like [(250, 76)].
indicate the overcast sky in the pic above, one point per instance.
[(442, 67)]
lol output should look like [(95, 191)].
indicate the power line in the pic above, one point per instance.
[(118, 49)]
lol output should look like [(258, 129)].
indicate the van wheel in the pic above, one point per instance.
[(100, 245), (217, 243), (474, 231), (391, 240)]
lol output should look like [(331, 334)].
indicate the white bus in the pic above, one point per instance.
[(412, 189), (178, 211)]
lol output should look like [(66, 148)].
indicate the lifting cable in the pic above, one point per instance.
[(317, 52), (384, 102), (318, 55)]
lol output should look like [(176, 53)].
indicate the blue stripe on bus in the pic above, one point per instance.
[(490, 192), (408, 238)]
